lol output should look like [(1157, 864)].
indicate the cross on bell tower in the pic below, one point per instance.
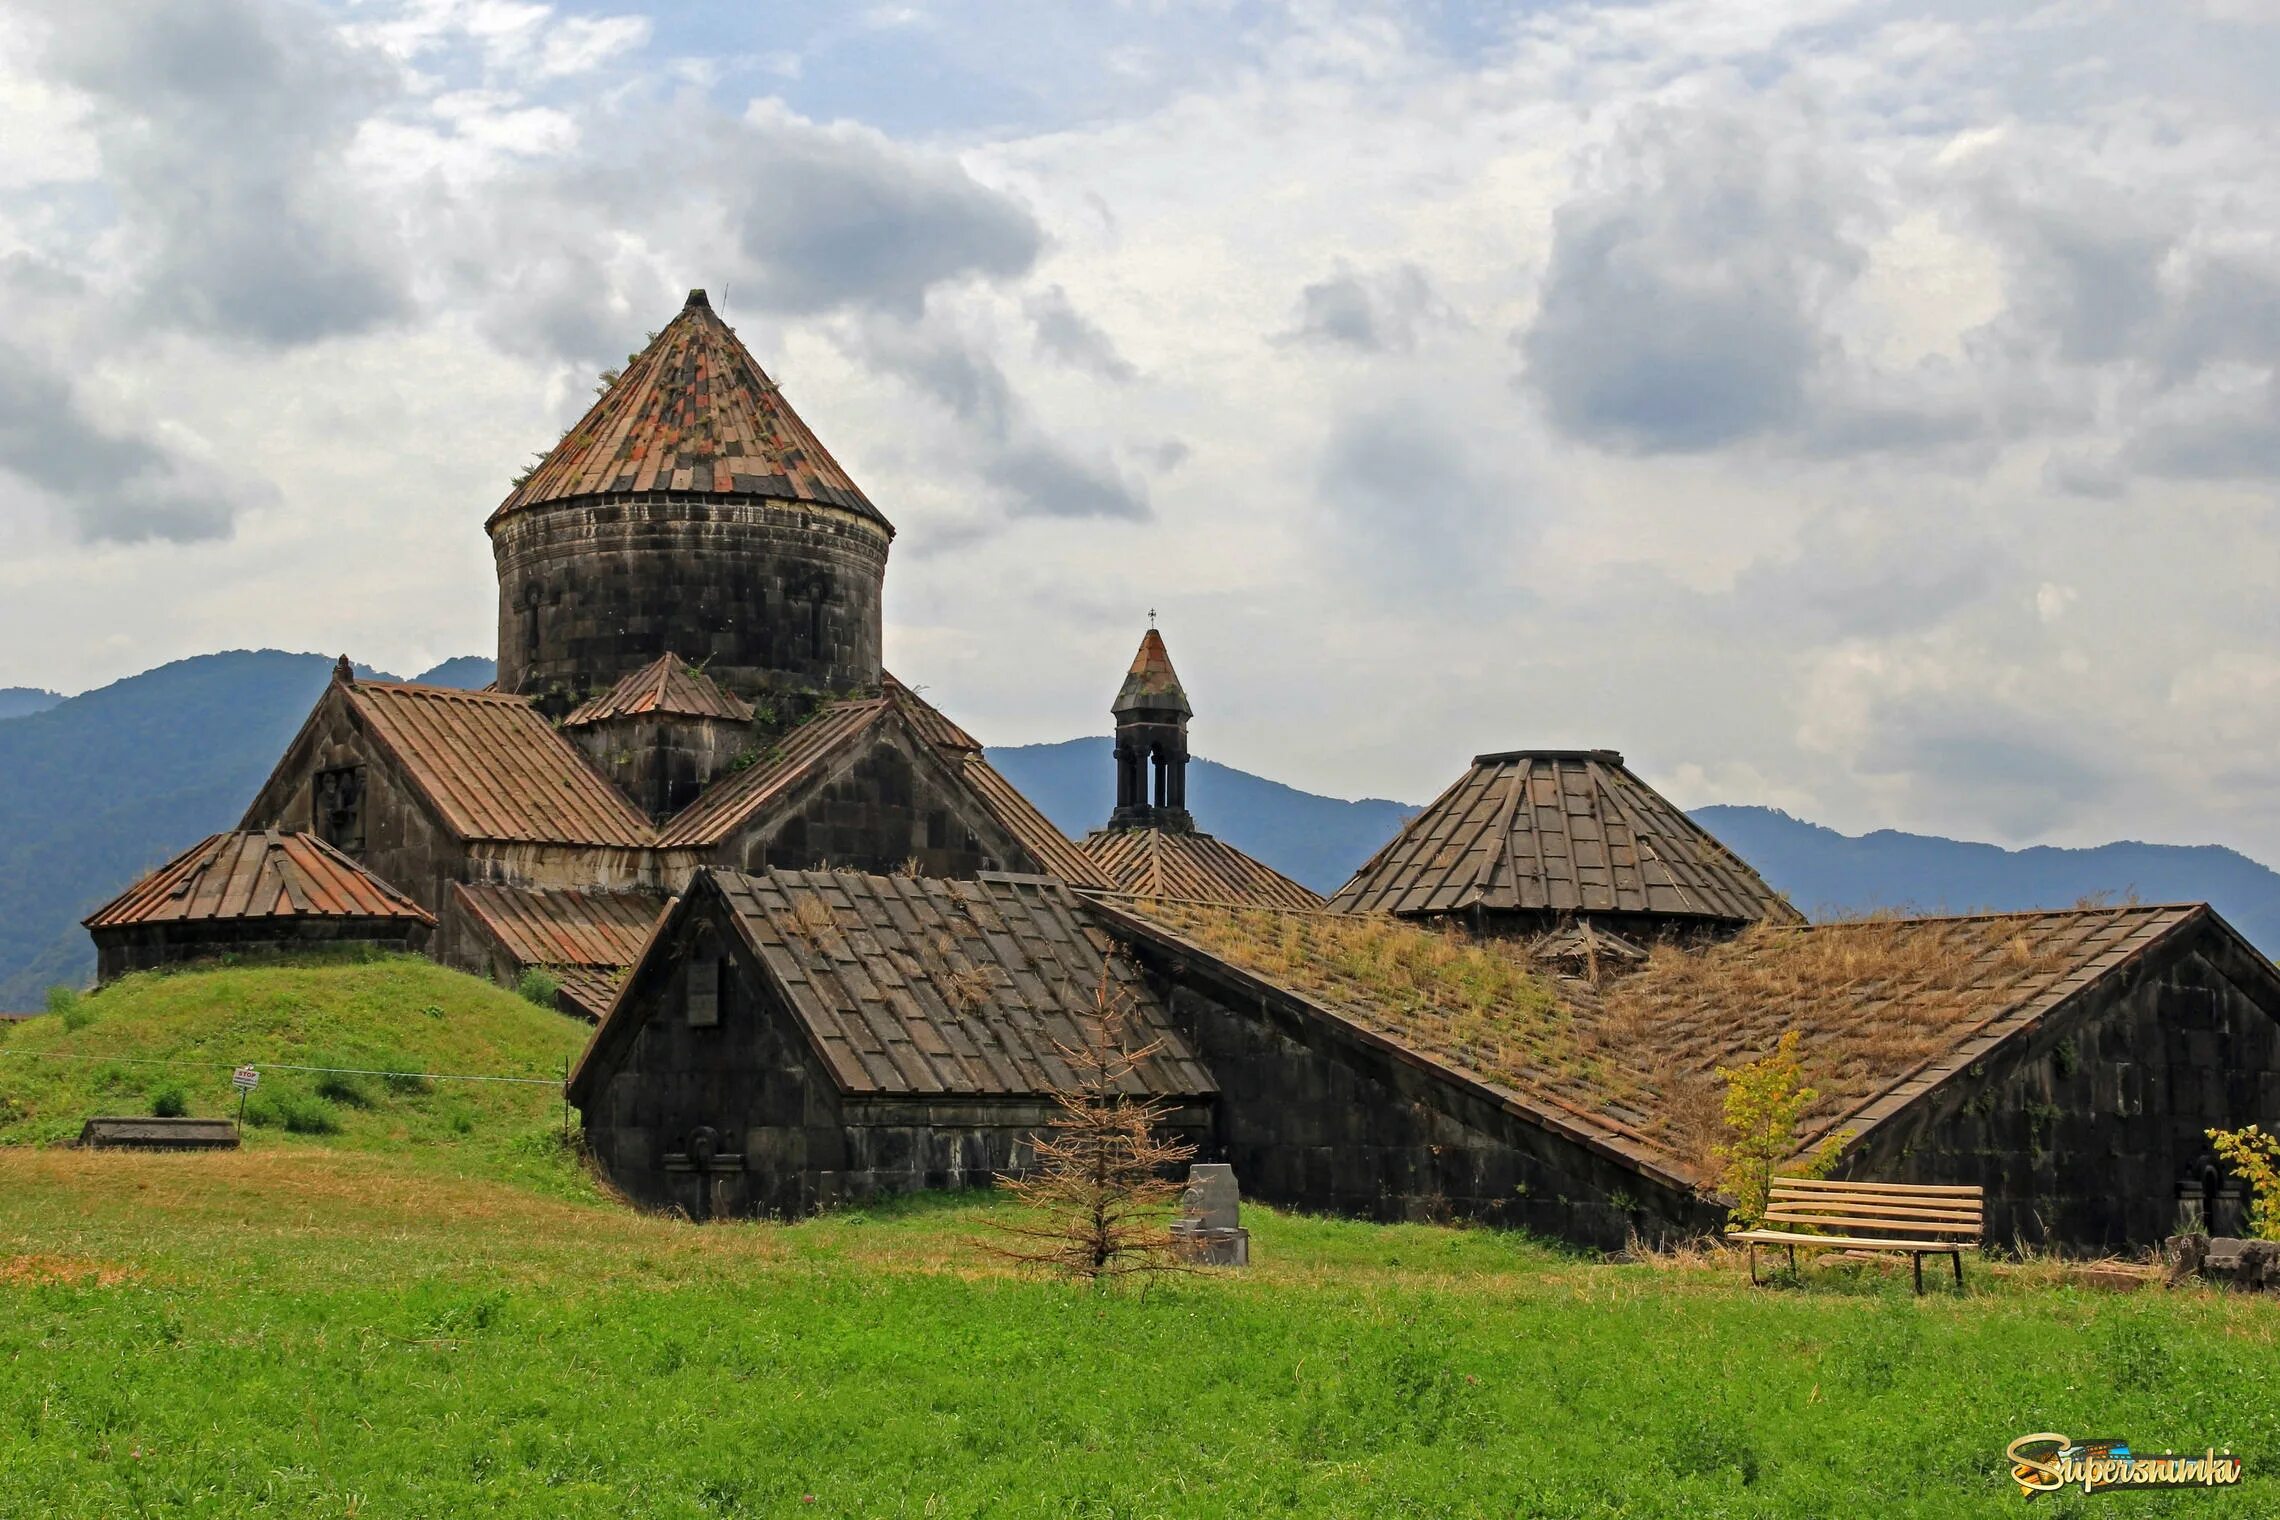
[(1152, 715)]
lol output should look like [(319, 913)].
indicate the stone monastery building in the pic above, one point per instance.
[(830, 951)]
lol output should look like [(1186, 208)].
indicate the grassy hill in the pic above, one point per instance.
[(428, 1311), (404, 1029)]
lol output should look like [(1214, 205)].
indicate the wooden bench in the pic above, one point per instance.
[(1869, 1216)]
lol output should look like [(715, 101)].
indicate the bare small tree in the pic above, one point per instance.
[(1101, 1195)]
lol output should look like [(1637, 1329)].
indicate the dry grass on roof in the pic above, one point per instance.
[(1872, 998), (1478, 1003)]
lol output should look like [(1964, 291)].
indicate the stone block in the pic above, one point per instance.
[(1209, 1246), (1212, 1200)]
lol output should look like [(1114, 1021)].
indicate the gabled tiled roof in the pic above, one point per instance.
[(692, 412), (928, 720), (1195, 867), (559, 927), (1885, 1010), (494, 769), (728, 804), (907, 985), (812, 748), (1053, 850), (666, 686), (1151, 685), (1523, 1050), (256, 873), (1559, 831)]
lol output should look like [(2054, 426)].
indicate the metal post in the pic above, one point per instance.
[(566, 1100)]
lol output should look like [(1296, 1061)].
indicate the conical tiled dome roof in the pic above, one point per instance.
[(692, 412), (1152, 685)]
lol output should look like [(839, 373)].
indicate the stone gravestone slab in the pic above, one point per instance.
[(150, 1134), (1211, 1230)]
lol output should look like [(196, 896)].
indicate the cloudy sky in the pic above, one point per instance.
[(1868, 410)]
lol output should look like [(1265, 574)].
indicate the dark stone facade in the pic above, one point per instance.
[(147, 947), (662, 762), (725, 1111), (764, 595), (1315, 1115), (896, 803), (397, 837), (2089, 1132)]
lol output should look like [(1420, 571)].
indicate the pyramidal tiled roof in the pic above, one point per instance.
[(256, 873), (692, 412), (665, 686), (1559, 831), (1152, 685)]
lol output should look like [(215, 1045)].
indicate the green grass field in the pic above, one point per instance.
[(433, 1312)]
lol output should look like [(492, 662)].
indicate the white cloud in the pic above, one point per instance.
[(1893, 439)]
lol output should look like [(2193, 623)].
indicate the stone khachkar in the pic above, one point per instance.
[(1210, 1230)]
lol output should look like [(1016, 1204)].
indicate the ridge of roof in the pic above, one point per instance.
[(930, 721), (693, 412), (667, 685), (256, 873), (1151, 685)]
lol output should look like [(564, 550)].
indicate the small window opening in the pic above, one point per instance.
[(338, 806), (706, 967)]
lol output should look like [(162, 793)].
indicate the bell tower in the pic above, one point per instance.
[(1152, 715)]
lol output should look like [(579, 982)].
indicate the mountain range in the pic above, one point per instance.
[(96, 789), (99, 787)]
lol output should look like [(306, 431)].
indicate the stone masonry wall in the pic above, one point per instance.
[(893, 804), (1312, 1118), (2082, 1130), (662, 764), (146, 947), (763, 594), (797, 1143)]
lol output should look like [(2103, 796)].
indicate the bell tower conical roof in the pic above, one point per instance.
[(692, 413), (1152, 685)]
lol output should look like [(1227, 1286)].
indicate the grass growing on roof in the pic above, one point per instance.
[(1869, 997), (168, 1041), (1478, 1002)]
